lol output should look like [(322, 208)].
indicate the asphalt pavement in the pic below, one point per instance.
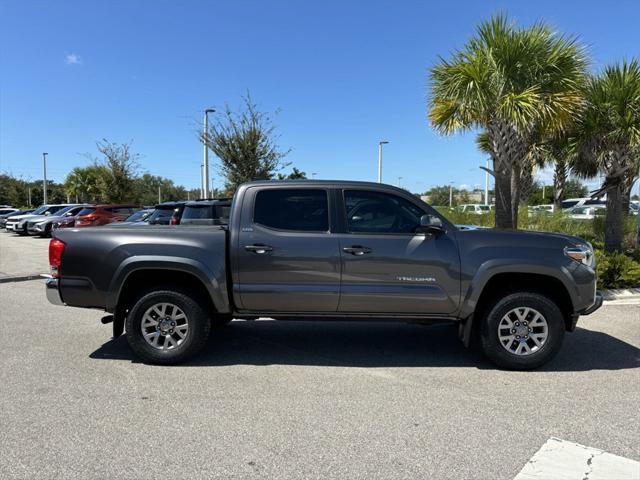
[(301, 399)]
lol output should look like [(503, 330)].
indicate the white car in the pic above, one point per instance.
[(476, 208), (570, 203), (587, 213)]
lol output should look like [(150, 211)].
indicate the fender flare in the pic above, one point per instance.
[(493, 267), (214, 282)]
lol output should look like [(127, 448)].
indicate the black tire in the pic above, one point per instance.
[(195, 340), (498, 354)]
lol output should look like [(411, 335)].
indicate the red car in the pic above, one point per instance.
[(104, 214)]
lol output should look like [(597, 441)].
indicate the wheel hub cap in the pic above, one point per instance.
[(523, 331), (164, 326)]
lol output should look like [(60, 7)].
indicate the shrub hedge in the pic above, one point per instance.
[(615, 270)]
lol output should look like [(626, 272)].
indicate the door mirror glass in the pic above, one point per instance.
[(431, 224)]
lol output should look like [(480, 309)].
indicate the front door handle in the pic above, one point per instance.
[(258, 248), (356, 250)]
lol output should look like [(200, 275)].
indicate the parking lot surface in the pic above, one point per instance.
[(22, 255), (301, 399)]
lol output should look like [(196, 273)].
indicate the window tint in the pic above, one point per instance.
[(53, 209), (304, 210), (197, 212), (580, 210), (377, 212), (569, 203), (223, 213), (86, 211)]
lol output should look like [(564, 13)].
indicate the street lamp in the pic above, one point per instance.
[(205, 174), (380, 143), (399, 178), (450, 194), (313, 175), (44, 177)]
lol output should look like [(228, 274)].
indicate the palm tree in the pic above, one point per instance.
[(512, 83), (608, 135)]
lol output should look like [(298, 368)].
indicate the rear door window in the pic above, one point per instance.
[(299, 210)]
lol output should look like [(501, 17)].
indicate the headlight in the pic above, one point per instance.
[(581, 253)]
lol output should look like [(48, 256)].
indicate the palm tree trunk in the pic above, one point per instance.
[(504, 142), (559, 181), (515, 183), (614, 223), (503, 197)]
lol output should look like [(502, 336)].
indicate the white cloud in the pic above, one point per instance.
[(72, 59)]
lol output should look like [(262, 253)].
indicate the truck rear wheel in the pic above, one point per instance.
[(522, 331), (167, 327)]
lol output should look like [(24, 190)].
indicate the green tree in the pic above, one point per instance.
[(514, 84), (608, 135), (294, 175), (439, 195), (245, 143)]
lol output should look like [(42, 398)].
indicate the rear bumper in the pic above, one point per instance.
[(53, 291), (596, 305)]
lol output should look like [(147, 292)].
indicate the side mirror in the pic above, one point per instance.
[(431, 224), (46, 214)]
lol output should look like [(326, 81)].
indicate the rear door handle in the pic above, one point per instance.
[(356, 250), (259, 249)]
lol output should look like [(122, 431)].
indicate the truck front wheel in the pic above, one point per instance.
[(522, 331), (167, 327)]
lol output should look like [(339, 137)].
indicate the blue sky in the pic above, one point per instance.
[(345, 74)]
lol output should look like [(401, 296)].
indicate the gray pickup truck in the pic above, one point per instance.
[(328, 250)]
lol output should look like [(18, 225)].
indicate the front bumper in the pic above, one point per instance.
[(35, 229), (596, 304), (52, 288)]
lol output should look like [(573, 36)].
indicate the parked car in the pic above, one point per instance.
[(580, 202), (140, 216), (167, 213), (587, 213), (207, 212), (5, 216), (18, 223), (43, 225), (9, 211), (334, 250), (544, 209), (475, 208), (102, 215)]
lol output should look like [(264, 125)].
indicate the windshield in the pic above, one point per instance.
[(569, 203), (138, 216), (484, 208), (64, 210), (40, 210), (161, 213)]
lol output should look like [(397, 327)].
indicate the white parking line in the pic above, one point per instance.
[(562, 460)]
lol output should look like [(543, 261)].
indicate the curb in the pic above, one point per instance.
[(22, 278), (621, 294)]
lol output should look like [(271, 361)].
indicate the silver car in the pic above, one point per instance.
[(43, 224), (18, 224)]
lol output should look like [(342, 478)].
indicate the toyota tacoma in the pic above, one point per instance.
[(328, 250)]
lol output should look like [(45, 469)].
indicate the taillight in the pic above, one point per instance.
[(174, 221), (56, 249)]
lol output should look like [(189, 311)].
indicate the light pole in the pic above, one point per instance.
[(450, 194), (313, 175), (205, 174), (486, 184), (380, 143), (399, 178), (44, 177)]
